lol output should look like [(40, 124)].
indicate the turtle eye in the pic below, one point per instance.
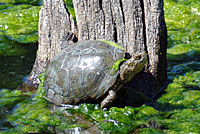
[(127, 56), (138, 57)]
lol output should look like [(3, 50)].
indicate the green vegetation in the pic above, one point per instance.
[(183, 23), (116, 65), (70, 8), (20, 22), (176, 111), (18, 25), (113, 44), (32, 2)]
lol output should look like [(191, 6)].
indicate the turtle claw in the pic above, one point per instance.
[(106, 103)]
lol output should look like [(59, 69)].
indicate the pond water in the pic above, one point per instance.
[(14, 69), (177, 110)]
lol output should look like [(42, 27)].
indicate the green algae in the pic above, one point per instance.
[(183, 24), (32, 2), (179, 113), (113, 44), (184, 90), (150, 131), (41, 92), (20, 23), (31, 116), (70, 8), (9, 98), (114, 120), (146, 112), (117, 63)]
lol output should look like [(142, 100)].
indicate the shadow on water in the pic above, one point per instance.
[(15, 68), (176, 59)]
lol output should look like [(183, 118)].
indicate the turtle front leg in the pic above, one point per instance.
[(106, 103)]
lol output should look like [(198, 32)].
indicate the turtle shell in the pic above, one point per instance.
[(81, 71)]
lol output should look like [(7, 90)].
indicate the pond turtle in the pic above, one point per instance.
[(89, 70)]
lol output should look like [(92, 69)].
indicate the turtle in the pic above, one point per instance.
[(89, 70)]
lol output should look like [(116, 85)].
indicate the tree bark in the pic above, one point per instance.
[(136, 25)]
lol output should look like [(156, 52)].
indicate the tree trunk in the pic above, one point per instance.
[(136, 25)]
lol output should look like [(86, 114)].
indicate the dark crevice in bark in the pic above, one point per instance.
[(115, 33), (104, 18), (49, 31), (144, 25), (114, 26), (100, 4), (121, 5), (65, 5), (66, 8)]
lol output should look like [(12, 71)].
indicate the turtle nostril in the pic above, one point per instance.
[(127, 56)]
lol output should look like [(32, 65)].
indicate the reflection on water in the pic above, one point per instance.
[(14, 69)]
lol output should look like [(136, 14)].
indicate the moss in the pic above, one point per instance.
[(70, 8), (145, 112), (182, 19), (9, 98), (20, 23), (150, 131), (41, 92), (186, 120), (33, 2), (183, 24), (32, 116), (113, 44), (184, 90)]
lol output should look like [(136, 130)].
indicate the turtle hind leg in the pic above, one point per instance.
[(109, 99)]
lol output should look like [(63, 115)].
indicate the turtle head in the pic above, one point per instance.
[(132, 66)]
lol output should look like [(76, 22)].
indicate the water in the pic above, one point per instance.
[(15, 69)]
